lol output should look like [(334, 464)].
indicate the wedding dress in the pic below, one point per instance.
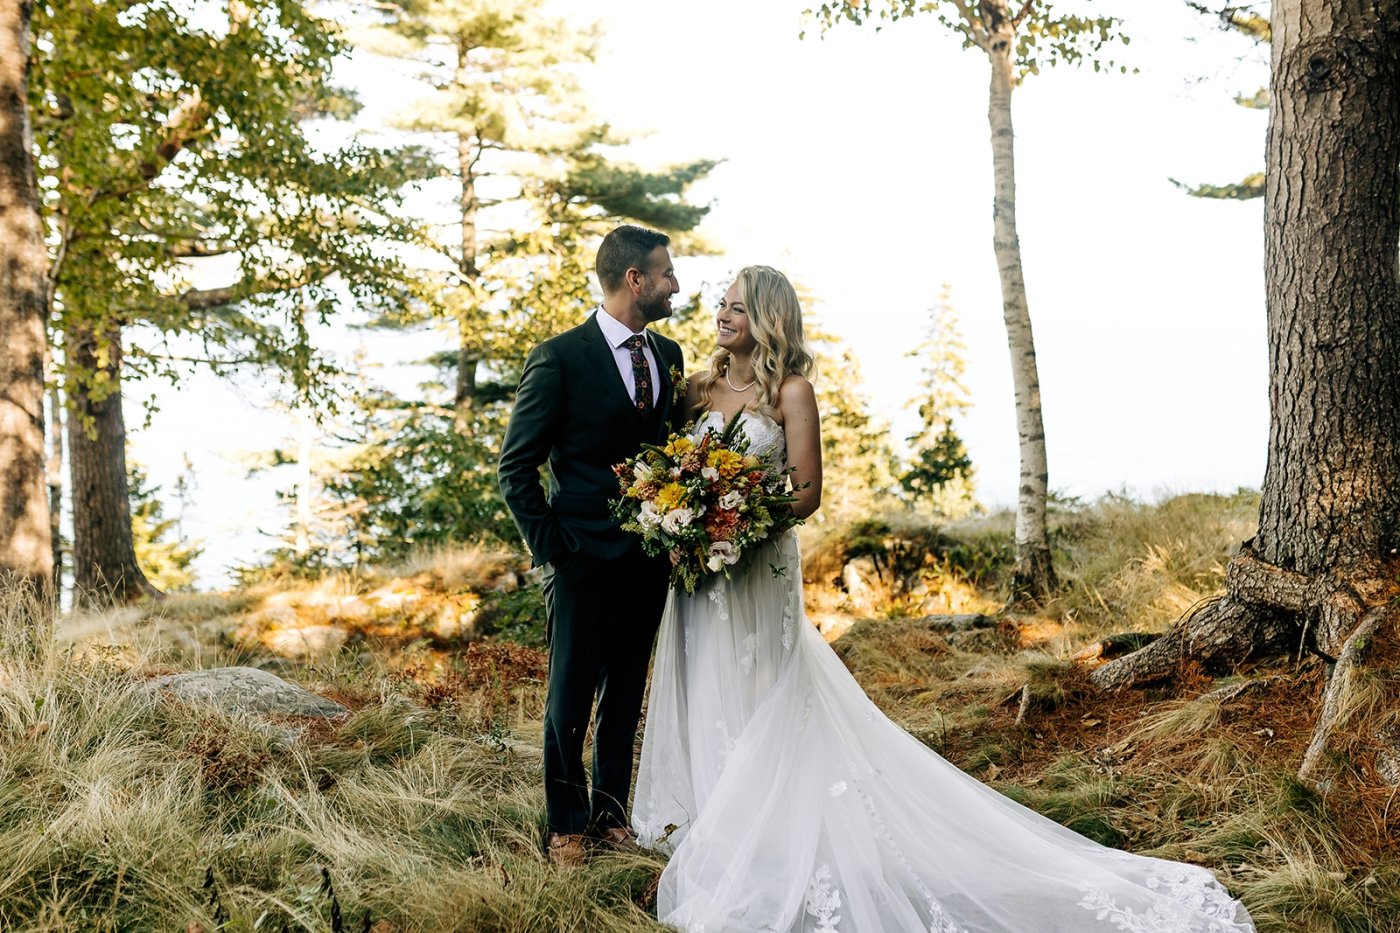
[(789, 802)]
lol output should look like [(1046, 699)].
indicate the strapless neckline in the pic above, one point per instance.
[(765, 435), (747, 412)]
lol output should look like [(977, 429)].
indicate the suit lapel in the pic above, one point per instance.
[(601, 356)]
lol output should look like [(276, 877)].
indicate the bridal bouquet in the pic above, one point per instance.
[(703, 500)]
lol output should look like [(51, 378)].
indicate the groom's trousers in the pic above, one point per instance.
[(603, 617)]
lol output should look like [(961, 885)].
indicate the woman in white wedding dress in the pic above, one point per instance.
[(786, 799)]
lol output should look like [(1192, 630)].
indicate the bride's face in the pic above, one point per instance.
[(732, 321)]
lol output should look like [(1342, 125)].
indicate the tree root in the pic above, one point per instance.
[(1348, 699), (1341, 615), (1263, 604), (1220, 632)]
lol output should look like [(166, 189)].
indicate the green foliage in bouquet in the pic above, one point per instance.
[(703, 500)]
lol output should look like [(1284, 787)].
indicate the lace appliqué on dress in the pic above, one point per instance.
[(1193, 893), (790, 619), (726, 741), (746, 661), (823, 901), (942, 920)]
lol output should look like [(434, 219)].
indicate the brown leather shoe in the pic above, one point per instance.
[(566, 850), (617, 838)]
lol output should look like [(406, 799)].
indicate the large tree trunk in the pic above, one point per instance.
[(1034, 575), (104, 556), (1331, 497), (1325, 557), (25, 549)]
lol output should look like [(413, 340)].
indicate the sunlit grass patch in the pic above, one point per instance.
[(124, 810)]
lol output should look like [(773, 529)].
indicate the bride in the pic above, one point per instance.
[(786, 799)]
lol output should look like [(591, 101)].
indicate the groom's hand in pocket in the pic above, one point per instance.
[(563, 562)]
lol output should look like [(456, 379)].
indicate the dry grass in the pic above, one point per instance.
[(120, 810), (422, 809)]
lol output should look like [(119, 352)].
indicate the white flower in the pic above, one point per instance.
[(675, 472), (676, 519), (731, 500), (710, 473), (649, 516), (722, 554), (642, 472)]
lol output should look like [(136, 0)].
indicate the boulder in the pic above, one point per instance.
[(247, 690)]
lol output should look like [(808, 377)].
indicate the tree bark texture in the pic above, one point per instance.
[(1034, 574), (1331, 496), (1325, 557), (104, 556), (25, 543)]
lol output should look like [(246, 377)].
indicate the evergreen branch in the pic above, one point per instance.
[(203, 299), (211, 361), (198, 249)]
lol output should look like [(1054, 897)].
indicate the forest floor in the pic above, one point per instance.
[(421, 808)]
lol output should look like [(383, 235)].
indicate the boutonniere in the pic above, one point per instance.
[(678, 385)]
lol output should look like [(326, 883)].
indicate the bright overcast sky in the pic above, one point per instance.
[(860, 164)]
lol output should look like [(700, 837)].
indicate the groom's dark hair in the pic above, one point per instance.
[(626, 247)]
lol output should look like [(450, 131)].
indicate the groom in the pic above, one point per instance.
[(588, 399)]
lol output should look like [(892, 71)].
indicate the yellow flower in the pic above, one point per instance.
[(726, 461), (671, 496), (679, 446)]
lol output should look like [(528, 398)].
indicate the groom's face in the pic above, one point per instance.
[(657, 284)]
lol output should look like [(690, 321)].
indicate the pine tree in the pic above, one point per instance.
[(939, 474), (1320, 574), (168, 562), (510, 126)]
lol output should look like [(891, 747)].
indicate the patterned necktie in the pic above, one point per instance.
[(641, 373)]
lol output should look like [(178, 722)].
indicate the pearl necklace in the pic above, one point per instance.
[(738, 388)]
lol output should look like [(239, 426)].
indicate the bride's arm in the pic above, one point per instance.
[(798, 404)]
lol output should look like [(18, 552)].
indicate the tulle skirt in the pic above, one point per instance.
[(789, 802)]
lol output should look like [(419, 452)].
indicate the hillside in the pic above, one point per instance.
[(122, 808)]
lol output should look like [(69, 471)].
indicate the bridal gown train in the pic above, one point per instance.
[(789, 802)]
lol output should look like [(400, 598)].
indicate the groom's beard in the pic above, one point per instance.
[(655, 310)]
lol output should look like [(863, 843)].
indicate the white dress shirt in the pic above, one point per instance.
[(616, 334)]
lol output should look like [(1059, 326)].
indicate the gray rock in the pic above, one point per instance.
[(959, 623), (247, 690)]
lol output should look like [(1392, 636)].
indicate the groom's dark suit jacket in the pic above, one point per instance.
[(573, 410)]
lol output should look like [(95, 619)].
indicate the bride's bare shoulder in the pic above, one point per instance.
[(796, 389)]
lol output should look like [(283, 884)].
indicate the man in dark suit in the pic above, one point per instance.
[(588, 399)]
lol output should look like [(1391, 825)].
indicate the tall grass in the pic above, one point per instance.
[(421, 810), (121, 809)]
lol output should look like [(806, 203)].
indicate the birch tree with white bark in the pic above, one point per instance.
[(1019, 39)]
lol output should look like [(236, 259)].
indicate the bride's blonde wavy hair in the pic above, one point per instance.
[(775, 323)]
